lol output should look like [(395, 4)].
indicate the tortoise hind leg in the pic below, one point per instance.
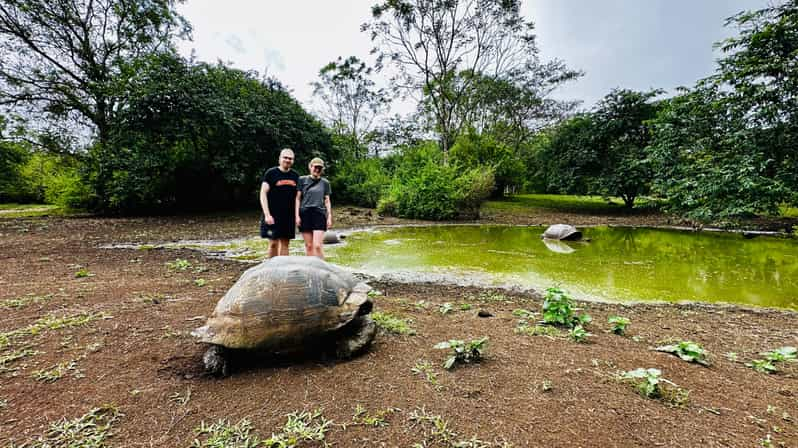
[(355, 337), (216, 361)]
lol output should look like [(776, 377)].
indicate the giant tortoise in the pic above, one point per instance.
[(562, 232), (285, 304)]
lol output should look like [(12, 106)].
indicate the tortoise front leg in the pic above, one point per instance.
[(355, 336), (216, 360)]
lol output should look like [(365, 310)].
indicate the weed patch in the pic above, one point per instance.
[(425, 369), (21, 302), (438, 432), (686, 350), (179, 264), (619, 324), (50, 322), (56, 372), (362, 416), (89, 431), (300, 427), (462, 352), (83, 273), (222, 434), (579, 334), (649, 383), (772, 358), (392, 324)]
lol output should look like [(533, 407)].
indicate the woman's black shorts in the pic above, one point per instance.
[(283, 228), (312, 219)]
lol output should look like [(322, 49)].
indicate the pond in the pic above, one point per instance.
[(616, 264)]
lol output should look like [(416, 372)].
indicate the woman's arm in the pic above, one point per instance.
[(328, 206), (296, 208)]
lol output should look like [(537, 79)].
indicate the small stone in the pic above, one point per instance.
[(483, 313)]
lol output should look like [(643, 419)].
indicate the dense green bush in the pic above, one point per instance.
[(12, 186), (475, 150), (424, 188), (360, 182), (55, 179)]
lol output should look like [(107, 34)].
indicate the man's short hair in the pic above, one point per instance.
[(284, 150)]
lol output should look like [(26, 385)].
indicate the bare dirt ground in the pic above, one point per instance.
[(129, 341)]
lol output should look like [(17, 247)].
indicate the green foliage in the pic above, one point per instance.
[(762, 366), (619, 324), (445, 308), (646, 381), (686, 350), (300, 427), (579, 334), (392, 324), (604, 151), (781, 354), (223, 435), (473, 150), (187, 121), (558, 309), (772, 358), (462, 352), (179, 264), (92, 430), (424, 188), (13, 157), (360, 182), (83, 273), (54, 373), (425, 369)]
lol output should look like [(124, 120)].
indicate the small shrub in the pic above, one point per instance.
[(686, 350), (392, 324), (462, 352), (619, 324), (578, 334), (781, 354), (646, 381), (558, 309)]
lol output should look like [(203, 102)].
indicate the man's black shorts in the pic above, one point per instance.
[(284, 228), (312, 219)]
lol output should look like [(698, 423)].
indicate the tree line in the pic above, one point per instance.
[(101, 112)]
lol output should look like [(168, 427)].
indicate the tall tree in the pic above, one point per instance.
[(66, 59), (430, 42), (351, 99)]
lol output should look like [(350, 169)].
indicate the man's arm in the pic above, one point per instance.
[(264, 203)]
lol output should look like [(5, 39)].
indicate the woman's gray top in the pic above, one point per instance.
[(313, 192)]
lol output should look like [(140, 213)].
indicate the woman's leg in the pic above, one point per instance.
[(318, 243), (308, 237)]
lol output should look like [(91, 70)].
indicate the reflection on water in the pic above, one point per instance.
[(617, 263)]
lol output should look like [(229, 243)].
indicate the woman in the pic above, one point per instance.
[(314, 212)]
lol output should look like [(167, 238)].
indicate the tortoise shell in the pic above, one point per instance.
[(562, 232), (284, 301)]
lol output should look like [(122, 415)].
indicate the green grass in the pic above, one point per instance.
[(392, 324), (30, 210), (786, 211), (560, 202)]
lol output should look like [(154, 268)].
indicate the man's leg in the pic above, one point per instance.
[(274, 248), (284, 246)]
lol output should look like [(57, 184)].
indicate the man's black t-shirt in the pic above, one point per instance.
[(282, 192)]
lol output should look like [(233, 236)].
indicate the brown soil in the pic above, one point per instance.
[(529, 391)]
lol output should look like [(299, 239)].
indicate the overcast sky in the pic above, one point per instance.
[(637, 44)]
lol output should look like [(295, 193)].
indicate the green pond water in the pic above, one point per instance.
[(616, 264)]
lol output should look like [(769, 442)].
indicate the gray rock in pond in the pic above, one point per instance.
[(562, 232)]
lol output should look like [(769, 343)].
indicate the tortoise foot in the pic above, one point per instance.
[(216, 361), (355, 337)]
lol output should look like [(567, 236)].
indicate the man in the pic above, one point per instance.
[(278, 201)]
